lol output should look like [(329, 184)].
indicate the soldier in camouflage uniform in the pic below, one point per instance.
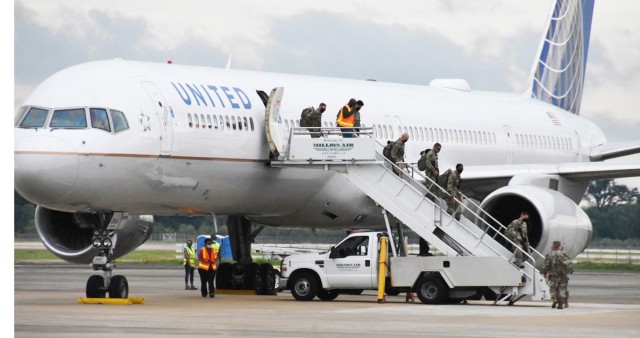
[(314, 119), (453, 188), (517, 233), (397, 151), (356, 123), (557, 267), (432, 170)]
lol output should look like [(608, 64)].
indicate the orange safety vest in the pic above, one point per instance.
[(205, 257), (346, 121)]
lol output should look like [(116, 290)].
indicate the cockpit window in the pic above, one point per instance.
[(35, 118), (119, 121), (99, 118), (69, 118)]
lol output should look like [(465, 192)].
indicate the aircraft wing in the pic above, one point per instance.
[(613, 150), (482, 180)]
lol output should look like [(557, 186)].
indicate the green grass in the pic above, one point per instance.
[(139, 257), (167, 257)]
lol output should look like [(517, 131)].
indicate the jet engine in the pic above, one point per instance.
[(71, 236), (552, 217)]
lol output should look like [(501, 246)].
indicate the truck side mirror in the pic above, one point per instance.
[(333, 253)]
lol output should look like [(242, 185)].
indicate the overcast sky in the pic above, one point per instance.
[(490, 43)]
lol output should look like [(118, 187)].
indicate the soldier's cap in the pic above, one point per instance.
[(360, 103), (557, 243)]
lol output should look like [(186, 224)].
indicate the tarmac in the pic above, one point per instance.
[(45, 304)]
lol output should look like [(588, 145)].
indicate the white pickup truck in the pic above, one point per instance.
[(352, 266)]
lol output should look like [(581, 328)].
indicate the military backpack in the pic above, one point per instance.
[(304, 117), (422, 162), (386, 152)]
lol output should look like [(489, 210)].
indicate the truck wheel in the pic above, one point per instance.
[(431, 290), (327, 295), (304, 286)]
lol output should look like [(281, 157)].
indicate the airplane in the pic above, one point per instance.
[(102, 146)]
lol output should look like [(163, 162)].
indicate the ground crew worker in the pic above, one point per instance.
[(207, 268), (397, 151), (517, 233), (189, 262), (313, 118), (432, 171), (453, 188), (356, 123), (557, 267), (216, 245), (346, 118)]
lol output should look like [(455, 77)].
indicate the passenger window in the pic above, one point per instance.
[(99, 119), (251, 122), (233, 122), (204, 125), (35, 118), (195, 116), (209, 121), (226, 121), (190, 120), (69, 118), (239, 123), (246, 125), (221, 119), (214, 120), (119, 121)]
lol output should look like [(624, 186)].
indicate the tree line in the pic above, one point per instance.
[(613, 208)]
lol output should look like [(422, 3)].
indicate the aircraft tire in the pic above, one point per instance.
[(431, 290), (327, 295), (119, 287), (95, 287), (304, 286), (252, 278), (268, 279), (223, 276)]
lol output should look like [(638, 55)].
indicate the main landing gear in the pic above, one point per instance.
[(99, 285), (245, 274)]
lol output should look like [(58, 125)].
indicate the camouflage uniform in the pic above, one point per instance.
[(431, 171), (314, 119), (453, 186), (557, 266), (397, 154), (512, 233)]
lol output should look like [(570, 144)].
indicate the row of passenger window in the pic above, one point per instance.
[(221, 122), (435, 134), (544, 142), (73, 118)]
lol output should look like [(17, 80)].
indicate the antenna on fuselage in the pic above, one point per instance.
[(229, 62)]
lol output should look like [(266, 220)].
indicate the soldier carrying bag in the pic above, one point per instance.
[(304, 120), (422, 162)]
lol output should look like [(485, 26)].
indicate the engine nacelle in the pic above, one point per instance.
[(69, 235), (552, 216)]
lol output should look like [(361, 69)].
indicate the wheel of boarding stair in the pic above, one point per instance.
[(431, 290)]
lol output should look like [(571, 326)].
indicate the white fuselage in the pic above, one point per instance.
[(166, 163)]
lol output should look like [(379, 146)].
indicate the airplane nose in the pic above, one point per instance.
[(45, 168)]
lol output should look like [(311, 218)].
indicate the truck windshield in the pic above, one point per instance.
[(354, 246)]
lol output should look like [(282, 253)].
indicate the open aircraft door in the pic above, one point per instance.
[(276, 132)]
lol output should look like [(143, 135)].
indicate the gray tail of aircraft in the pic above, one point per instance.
[(558, 73)]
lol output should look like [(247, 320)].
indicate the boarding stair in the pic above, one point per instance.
[(401, 190)]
